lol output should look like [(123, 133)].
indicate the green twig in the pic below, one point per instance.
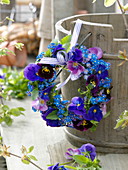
[(26, 160), (124, 18)]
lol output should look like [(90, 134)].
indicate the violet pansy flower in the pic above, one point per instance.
[(82, 125), (70, 152), (31, 72), (39, 104), (76, 69), (46, 71), (90, 149), (97, 51), (75, 55), (93, 79)]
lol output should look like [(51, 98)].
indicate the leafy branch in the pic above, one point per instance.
[(26, 158), (108, 3)]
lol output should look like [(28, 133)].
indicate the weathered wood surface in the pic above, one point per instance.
[(2, 163), (29, 130), (50, 143), (109, 36)]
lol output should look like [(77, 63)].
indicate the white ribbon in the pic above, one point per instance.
[(73, 42), (76, 33)]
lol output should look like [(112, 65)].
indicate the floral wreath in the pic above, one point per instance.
[(81, 113)]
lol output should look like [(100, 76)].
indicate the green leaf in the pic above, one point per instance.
[(34, 94), (66, 39), (32, 157), (65, 113), (9, 19), (25, 162), (30, 149), (21, 108), (8, 120), (5, 2), (119, 123), (52, 115), (108, 3), (107, 114), (5, 108), (121, 57), (15, 112), (48, 53), (81, 159)]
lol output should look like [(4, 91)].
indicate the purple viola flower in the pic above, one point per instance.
[(77, 106), (39, 104), (57, 167), (75, 55), (70, 152), (76, 69), (50, 122), (45, 93), (101, 71), (82, 125), (97, 51), (2, 76), (31, 72), (92, 79), (103, 108), (57, 49), (90, 149), (94, 113)]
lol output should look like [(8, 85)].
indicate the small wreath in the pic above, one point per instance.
[(81, 113)]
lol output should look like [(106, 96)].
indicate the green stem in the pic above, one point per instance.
[(71, 167), (26, 160), (63, 163)]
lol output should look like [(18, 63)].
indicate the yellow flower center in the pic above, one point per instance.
[(46, 70), (42, 101), (45, 93), (99, 72), (84, 122), (108, 91), (78, 104), (37, 74), (75, 64), (93, 82), (94, 110)]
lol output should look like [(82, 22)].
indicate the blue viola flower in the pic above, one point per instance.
[(50, 122), (31, 72), (45, 93), (75, 55), (94, 113), (57, 167), (77, 106), (57, 49), (2, 76), (101, 71), (90, 149)]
